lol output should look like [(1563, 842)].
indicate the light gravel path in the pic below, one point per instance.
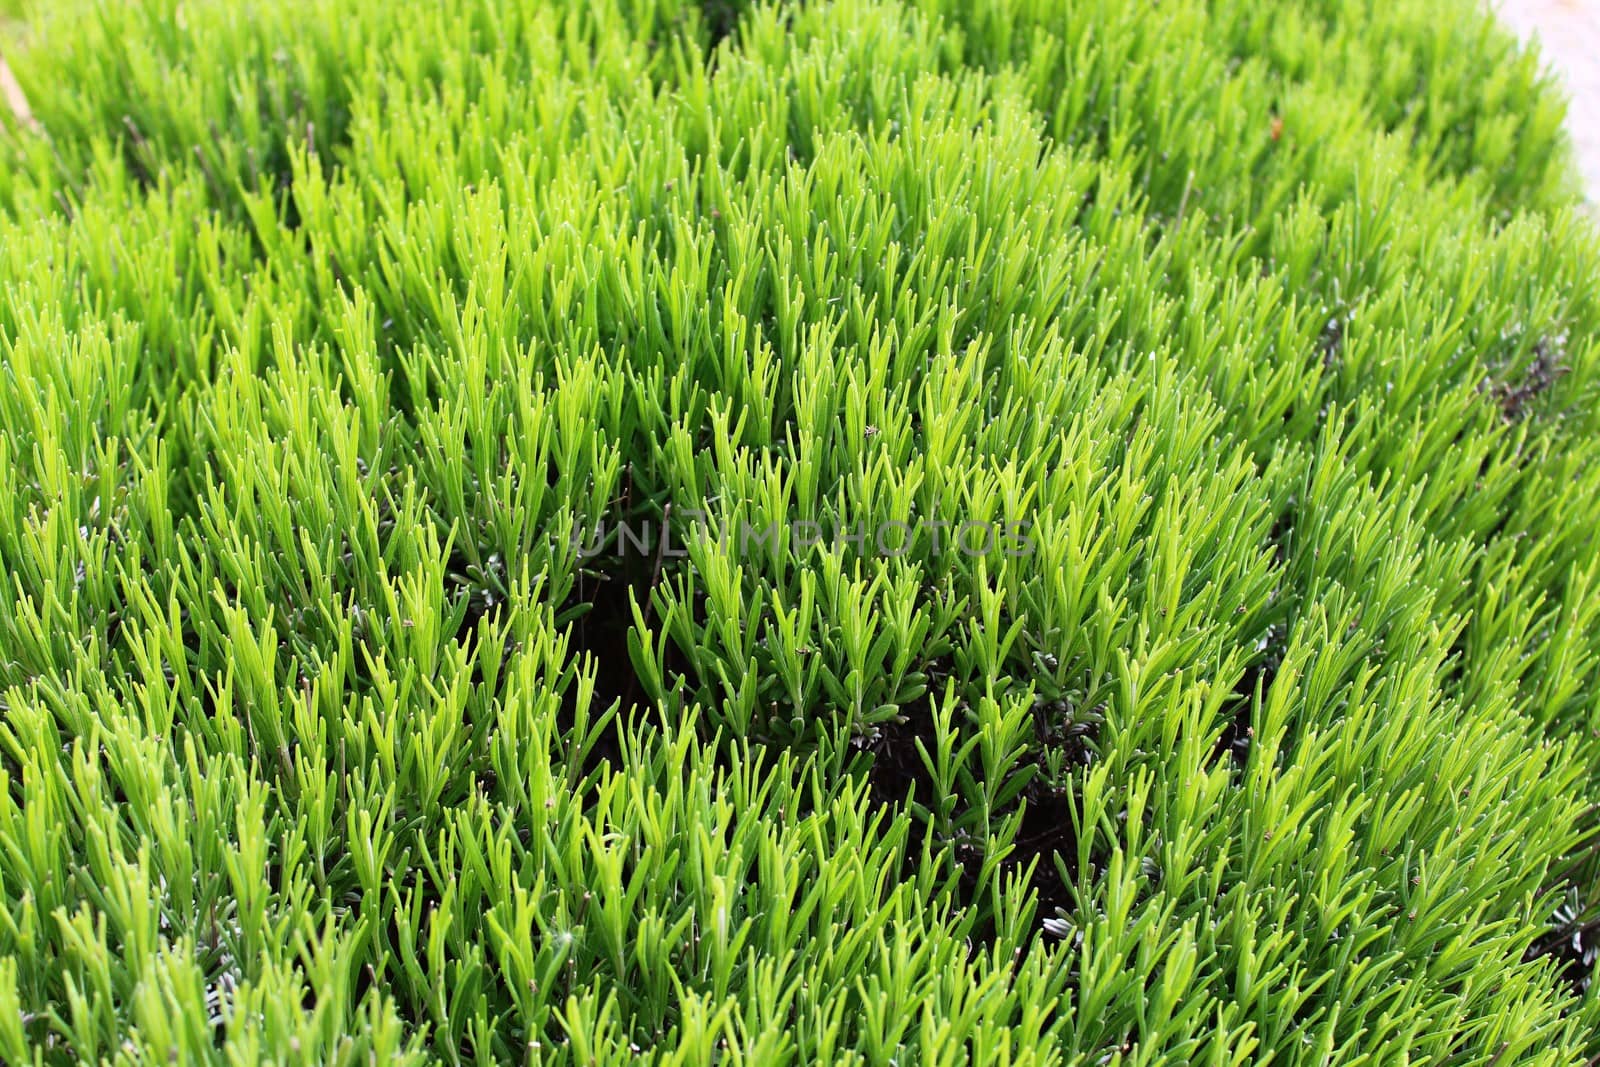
[(11, 94), (1568, 35)]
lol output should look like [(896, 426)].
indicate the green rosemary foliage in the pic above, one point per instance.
[(865, 531)]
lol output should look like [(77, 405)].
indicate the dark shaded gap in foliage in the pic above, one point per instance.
[(1516, 393), (897, 776), (721, 19), (1572, 937), (603, 601), (1238, 731)]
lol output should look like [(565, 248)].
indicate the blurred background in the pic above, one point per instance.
[(1568, 34)]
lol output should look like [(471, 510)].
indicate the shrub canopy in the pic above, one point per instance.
[(1130, 593)]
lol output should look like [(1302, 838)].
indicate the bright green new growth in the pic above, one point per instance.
[(328, 322)]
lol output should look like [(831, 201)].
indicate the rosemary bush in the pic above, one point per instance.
[(863, 531)]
